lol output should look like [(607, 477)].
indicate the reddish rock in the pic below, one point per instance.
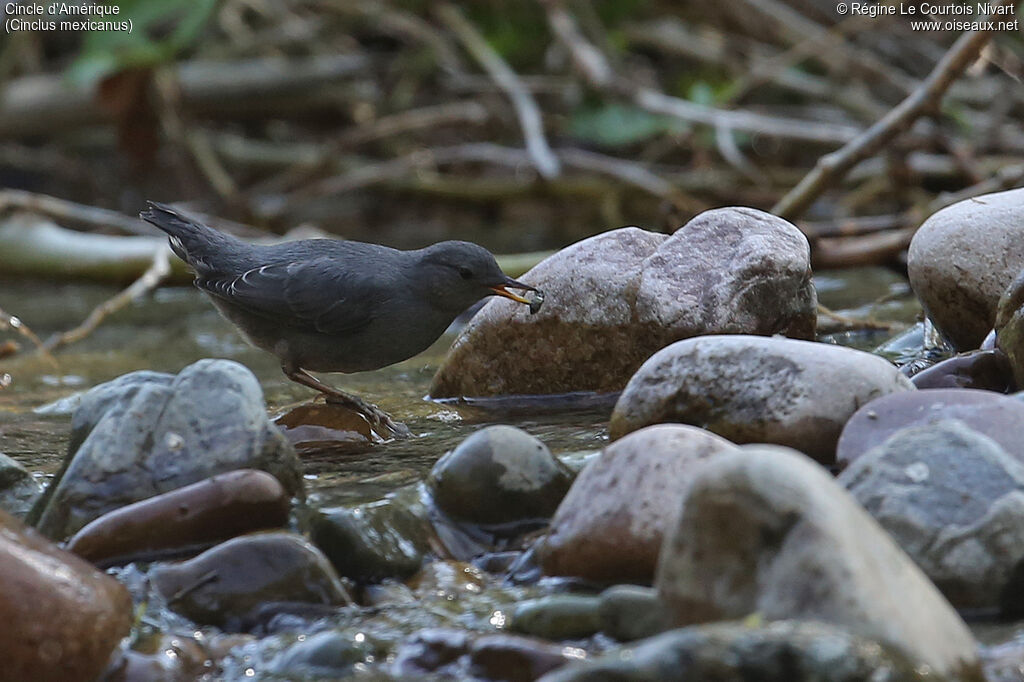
[(611, 524), (61, 617), (194, 516)]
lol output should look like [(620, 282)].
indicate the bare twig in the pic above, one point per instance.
[(65, 210), (8, 321), (526, 107), (926, 98), (658, 102), (150, 280), (871, 249), (1006, 177)]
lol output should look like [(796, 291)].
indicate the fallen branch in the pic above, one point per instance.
[(158, 271), (871, 249), (927, 97), (8, 321), (69, 211), (526, 107)]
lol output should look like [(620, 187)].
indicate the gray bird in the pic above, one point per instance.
[(330, 305)]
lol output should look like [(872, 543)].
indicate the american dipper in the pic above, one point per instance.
[(331, 305)]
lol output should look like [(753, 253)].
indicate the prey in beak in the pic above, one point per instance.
[(535, 301)]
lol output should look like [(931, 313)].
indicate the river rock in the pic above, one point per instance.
[(558, 616), (499, 475), (997, 416), (752, 389), (146, 434), (225, 586), (785, 651), (985, 370), (617, 297), (61, 617), (954, 501), (630, 612), (962, 259), (515, 659), (768, 531), (188, 518), (18, 488), (611, 524), (326, 655), (388, 538)]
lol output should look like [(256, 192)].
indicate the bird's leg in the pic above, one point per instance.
[(376, 416)]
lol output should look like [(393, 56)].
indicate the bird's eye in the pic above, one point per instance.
[(465, 273)]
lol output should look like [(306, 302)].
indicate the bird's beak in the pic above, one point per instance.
[(503, 290)]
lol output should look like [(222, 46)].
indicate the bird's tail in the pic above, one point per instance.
[(200, 246)]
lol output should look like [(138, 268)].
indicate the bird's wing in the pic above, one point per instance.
[(320, 294)]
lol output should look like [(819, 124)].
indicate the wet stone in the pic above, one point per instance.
[(430, 650), (559, 616), (370, 542), (62, 617), (315, 425), (986, 370), (146, 433), (515, 659), (631, 612), (187, 519), (226, 585), (1009, 327), (328, 654), (500, 475), (786, 651)]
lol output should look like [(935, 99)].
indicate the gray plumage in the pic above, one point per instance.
[(332, 305)]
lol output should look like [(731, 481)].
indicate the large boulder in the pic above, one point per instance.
[(615, 298), (962, 259), (954, 501), (147, 433), (753, 389), (611, 524), (61, 616), (768, 531)]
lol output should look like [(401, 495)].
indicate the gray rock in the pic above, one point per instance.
[(785, 651), (147, 433), (18, 488), (954, 501), (499, 475), (328, 654), (997, 416), (752, 389), (631, 612), (611, 524), (962, 259), (617, 297), (248, 573), (768, 531), (558, 616)]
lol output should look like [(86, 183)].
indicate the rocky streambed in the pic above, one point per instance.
[(712, 488)]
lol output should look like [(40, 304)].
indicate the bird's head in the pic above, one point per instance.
[(461, 273)]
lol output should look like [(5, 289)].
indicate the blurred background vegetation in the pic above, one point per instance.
[(409, 121)]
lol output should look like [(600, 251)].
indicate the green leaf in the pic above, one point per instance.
[(108, 52), (616, 125)]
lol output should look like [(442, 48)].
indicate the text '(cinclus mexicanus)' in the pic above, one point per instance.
[(331, 305)]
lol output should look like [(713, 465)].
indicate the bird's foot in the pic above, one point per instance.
[(381, 422)]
